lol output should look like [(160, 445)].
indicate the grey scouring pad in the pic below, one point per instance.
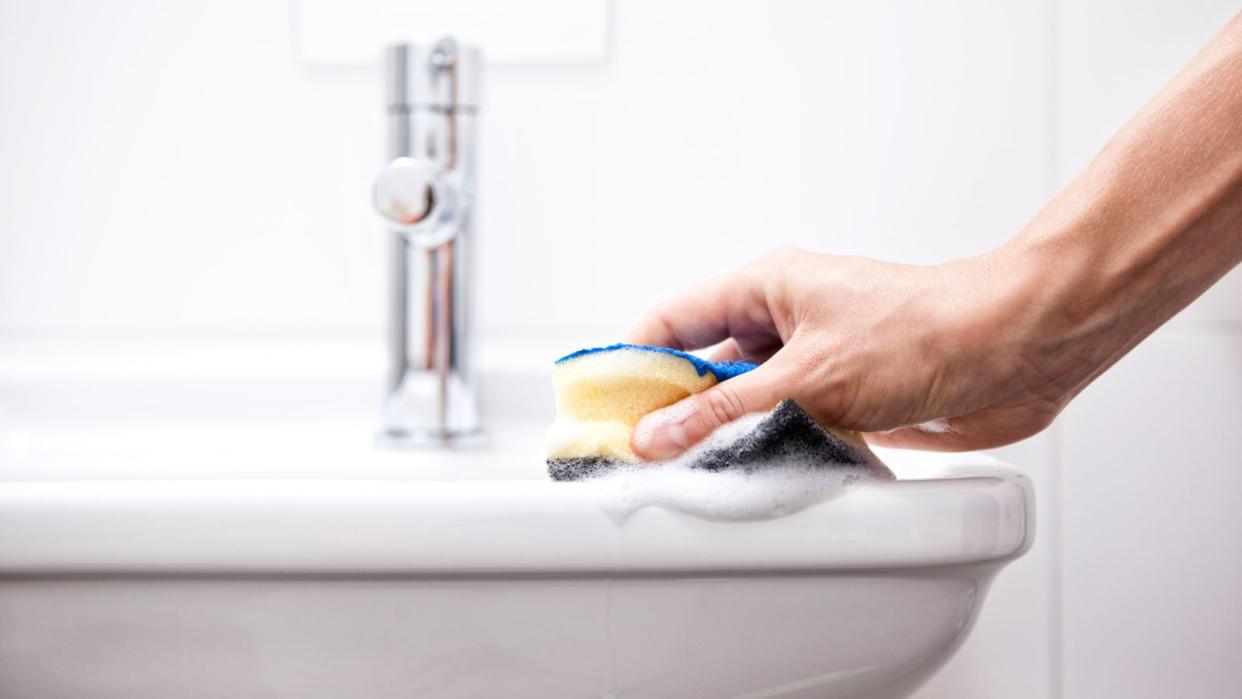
[(787, 433)]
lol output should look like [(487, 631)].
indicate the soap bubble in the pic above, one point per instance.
[(786, 484)]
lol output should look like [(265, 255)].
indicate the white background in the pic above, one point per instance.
[(185, 170)]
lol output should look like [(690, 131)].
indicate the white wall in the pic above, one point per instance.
[(175, 170), (1151, 454)]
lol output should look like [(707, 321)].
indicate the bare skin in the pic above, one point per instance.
[(987, 350)]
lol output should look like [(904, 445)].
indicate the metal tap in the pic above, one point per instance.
[(425, 195)]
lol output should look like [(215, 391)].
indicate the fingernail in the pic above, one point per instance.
[(662, 434)]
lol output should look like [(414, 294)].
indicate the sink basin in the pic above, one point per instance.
[(179, 523)]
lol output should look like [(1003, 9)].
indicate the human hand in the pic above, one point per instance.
[(928, 357)]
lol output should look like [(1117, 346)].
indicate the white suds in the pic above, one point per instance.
[(734, 494)]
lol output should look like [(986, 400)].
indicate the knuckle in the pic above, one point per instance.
[(784, 253), (655, 322), (829, 391), (809, 370), (800, 363), (658, 313), (720, 406)]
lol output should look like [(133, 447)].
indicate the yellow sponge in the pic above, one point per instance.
[(601, 393)]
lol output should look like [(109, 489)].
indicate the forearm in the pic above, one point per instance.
[(983, 351), (1152, 223)]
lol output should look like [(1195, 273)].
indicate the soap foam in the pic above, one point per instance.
[(775, 489)]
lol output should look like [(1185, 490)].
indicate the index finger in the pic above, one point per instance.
[(698, 317)]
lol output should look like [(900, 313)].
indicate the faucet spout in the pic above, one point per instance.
[(425, 195)]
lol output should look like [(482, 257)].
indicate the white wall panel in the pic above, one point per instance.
[(175, 168), (169, 168), (1152, 573), (907, 131)]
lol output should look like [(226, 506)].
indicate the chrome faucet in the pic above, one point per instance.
[(425, 195)]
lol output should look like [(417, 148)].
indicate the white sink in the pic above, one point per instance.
[(173, 526)]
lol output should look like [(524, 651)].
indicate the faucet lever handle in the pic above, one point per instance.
[(404, 191), (415, 200)]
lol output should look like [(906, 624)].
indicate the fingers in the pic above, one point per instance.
[(984, 429), (670, 431), (698, 317), (727, 351), (755, 350), (935, 436)]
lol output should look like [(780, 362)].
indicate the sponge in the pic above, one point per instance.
[(601, 393)]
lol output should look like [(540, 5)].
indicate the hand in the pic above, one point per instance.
[(928, 357)]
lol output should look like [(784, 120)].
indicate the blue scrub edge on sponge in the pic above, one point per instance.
[(721, 370)]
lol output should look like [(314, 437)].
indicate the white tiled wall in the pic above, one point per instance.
[(1152, 529), (1151, 454), (175, 169), (179, 163)]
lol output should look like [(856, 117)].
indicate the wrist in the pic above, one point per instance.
[(1093, 274), (1038, 316)]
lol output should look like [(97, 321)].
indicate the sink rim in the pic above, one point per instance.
[(971, 514)]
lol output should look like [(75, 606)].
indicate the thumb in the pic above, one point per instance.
[(669, 431)]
